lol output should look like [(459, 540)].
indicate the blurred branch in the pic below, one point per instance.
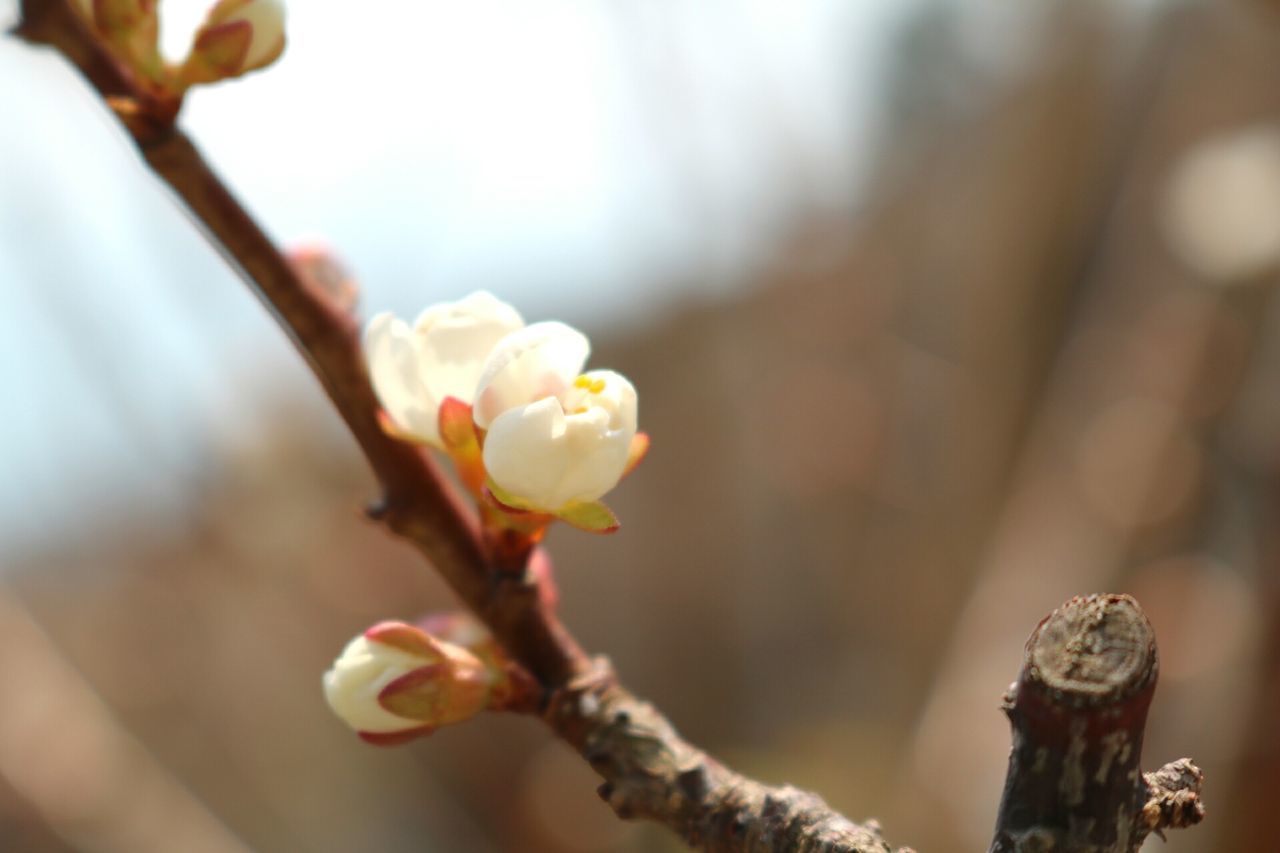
[(649, 770), (1108, 510), (1079, 710), (64, 751)]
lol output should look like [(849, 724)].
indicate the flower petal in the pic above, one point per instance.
[(455, 340), (609, 390), (599, 433), (537, 361), (393, 367), (598, 456), (526, 454), (358, 676)]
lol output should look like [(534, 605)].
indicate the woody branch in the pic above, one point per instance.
[(1078, 711)]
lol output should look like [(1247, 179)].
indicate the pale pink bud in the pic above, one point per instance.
[(396, 682)]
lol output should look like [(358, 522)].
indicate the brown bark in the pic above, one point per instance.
[(1078, 712), (652, 773)]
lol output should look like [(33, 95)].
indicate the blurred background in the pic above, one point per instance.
[(942, 311)]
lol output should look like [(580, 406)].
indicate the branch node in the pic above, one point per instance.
[(376, 510), (1173, 797), (692, 782)]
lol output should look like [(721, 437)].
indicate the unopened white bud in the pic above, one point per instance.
[(238, 36), (396, 682)]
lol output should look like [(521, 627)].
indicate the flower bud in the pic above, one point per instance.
[(322, 270), (236, 37), (396, 682), (511, 687)]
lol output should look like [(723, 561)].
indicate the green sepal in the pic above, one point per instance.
[(500, 498), (592, 516)]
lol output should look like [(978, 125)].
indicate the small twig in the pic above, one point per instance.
[(1173, 797), (1078, 710), (649, 771)]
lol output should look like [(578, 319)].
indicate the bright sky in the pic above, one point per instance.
[(586, 159)]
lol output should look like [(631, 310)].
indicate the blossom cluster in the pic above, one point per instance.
[(510, 402), (535, 438)]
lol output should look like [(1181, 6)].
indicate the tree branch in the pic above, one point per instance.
[(649, 771), (1078, 711)]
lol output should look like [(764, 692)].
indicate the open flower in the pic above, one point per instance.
[(528, 433), (556, 437), (396, 682), (442, 355)]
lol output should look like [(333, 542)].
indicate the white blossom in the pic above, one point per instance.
[(555, 436), (442, 355)]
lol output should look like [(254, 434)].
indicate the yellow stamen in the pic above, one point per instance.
[(586, 383)]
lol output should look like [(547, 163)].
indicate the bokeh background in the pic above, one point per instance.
[(941, 311)]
